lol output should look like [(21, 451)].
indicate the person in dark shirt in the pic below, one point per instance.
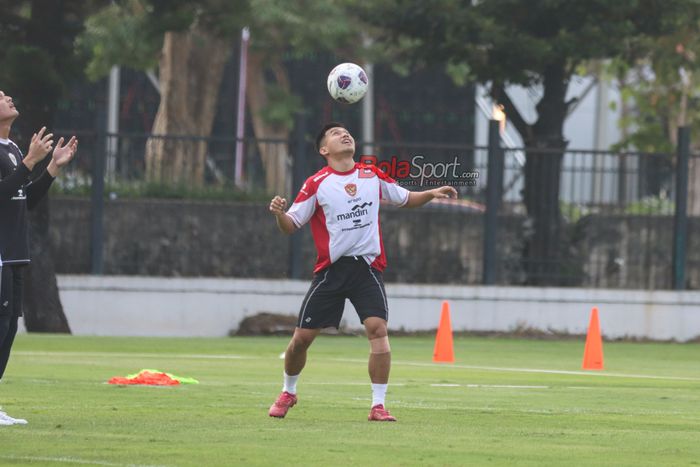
[(17, 194)]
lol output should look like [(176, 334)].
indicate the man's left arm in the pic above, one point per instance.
[(62, 155), (419, 198)]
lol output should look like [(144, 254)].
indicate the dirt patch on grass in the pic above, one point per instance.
[(275, 324)]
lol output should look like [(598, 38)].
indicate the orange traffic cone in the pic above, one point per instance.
[(593, 352), (444, 351)]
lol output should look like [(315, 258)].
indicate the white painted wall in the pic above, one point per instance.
[(593, 124), (148, 306), (580, 126)]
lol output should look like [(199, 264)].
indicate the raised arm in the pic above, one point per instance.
[(62, 155), (419, 198), (38, 149), (278, 206)]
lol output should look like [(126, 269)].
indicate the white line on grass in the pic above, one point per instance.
[(503, 386), (529, 370), (74, 460)]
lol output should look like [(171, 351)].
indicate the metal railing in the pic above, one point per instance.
[(525, 216)]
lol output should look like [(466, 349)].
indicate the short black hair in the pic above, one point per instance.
[(322, 133)]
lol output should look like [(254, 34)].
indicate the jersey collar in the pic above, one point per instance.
[(348, 172)]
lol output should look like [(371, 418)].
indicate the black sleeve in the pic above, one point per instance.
[(10, 184), (36, 189)]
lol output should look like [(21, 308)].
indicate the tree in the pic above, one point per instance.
[(37, 59), (194, 39), (661, 93), (191, 41), (532, 44), (294, 28)]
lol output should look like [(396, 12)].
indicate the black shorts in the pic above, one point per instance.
[(11, 290), (349, 277)]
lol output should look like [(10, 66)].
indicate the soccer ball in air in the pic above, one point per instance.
[(347, 83)]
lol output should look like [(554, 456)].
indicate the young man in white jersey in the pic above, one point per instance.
[(342, 203), (17, 195)]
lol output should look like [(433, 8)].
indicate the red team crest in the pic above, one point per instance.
[(351, 189)]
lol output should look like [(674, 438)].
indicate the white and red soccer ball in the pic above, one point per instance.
[(347, 83)]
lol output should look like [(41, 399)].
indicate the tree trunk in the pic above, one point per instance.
[(274, 156), (191, 67), (43, 311), (543, 259), (543, 255)]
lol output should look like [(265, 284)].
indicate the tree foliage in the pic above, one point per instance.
[(283, 29), (119, 34), (533, 44), (133, 33), (510, 42), (130, 32), (661, 91)]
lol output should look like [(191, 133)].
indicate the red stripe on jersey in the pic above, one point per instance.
[(310, 186), (321, 238), (380, 261)]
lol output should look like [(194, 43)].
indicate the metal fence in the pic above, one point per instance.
[(603, 227), (595, 219), (525, 216), (130, 159)]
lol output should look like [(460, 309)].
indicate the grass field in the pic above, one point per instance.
[(504, 402)]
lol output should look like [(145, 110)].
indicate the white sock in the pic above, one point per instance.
[(290, 383), (378, 393)]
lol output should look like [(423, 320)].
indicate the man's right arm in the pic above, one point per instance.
[(278, 205)]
